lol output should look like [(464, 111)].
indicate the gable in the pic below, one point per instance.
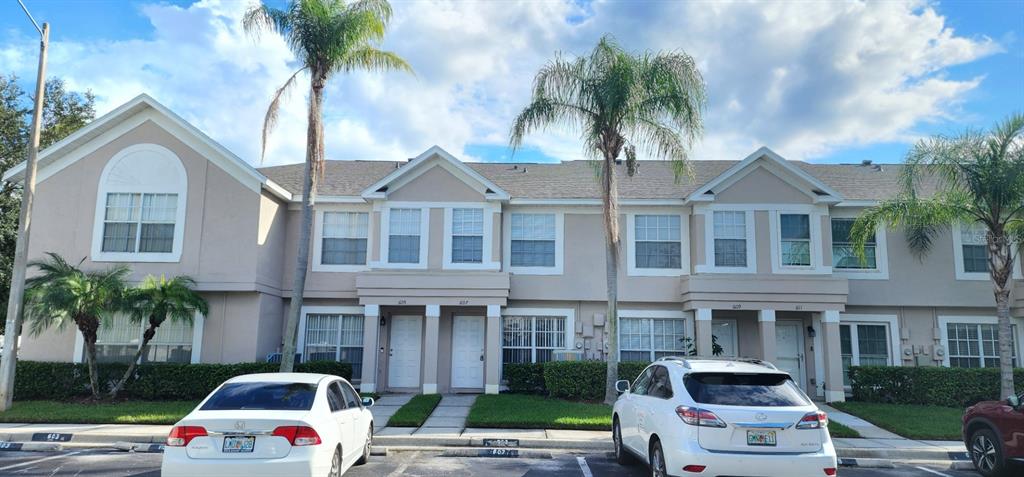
[(763, 186), (763, 158), (437, 184)]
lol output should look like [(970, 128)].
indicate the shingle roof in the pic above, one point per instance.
[(577, 179)]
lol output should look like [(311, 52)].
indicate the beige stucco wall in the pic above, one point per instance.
[(761, 186), (435, 185)]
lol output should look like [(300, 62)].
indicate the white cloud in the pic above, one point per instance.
[(803, 78)]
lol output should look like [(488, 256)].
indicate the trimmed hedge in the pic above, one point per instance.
[(930, 385), (580, 380), (163, 381), (524, 378)]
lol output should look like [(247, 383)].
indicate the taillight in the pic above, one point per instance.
[(696, 469), (813, 420), (830, 471), (696, 416), (180, 436), (298, 435)]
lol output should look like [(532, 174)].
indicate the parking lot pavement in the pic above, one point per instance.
[(415, 464)]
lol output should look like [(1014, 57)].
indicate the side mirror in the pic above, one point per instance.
[(622, 386), (1013, 401), (368, 402)]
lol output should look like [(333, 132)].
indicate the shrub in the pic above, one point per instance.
[(581, 380), (629, 370), (931, 385), (157, 381), (527, 378)]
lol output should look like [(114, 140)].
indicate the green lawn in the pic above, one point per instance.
[(911, 421), (127, 412), (519, 411), (415, 412), (838, 430)]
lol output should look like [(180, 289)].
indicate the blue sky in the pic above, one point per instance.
[(823, 82)]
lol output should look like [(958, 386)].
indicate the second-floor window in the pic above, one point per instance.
[(345, 238), (139, 223), (730, 232), (404, 236), (658, 243), (795, 246), (974, 246), (843, 254), (467, 235), (533, 240)]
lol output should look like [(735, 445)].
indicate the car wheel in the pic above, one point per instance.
[(335, 464), (657, 461), (366, 447), (621, 455), (986, 453)]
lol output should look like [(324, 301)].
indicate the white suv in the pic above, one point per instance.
[(718, 417)]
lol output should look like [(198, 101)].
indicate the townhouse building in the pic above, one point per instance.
[(428, 274)]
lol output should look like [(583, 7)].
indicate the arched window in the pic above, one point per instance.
[(140, 206)]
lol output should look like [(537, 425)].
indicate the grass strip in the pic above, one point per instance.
[(415, 412), (838, 430), (126, 412), (908, 420), (521, 411)]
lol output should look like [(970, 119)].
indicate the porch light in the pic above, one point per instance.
[(811, 333)]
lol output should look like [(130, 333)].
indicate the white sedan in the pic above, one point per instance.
[(277, 424)]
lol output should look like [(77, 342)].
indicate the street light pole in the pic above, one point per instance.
[(14, 303)]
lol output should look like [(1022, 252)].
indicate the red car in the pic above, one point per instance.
[(994, 435)]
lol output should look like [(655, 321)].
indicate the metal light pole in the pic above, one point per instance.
[(14, 303)]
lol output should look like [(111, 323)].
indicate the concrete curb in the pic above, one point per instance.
[(408, 441), (866, 463), (29, 446), (901, 454)]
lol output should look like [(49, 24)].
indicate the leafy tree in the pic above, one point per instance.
[(977, 178), (619, 102), (327, 37), (62, 293), (64, 112), (155, 301)]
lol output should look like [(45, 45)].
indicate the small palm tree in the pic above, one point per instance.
[(63, 293), (327, 37), (619, 102), (977, 178), (155, 301)]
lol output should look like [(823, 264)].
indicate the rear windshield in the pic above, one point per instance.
[(262, 396), (730, 389)]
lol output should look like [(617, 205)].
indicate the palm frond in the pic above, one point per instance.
[(368, 58), (270, 119)]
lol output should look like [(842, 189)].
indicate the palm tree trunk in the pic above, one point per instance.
[(88, 327), (1000, 265), (146, 337), (610, 203), (314, 157)]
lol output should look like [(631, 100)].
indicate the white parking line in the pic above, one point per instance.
[(584, 467), (44, 459), (919, 467)]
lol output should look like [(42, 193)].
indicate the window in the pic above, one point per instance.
[(976, 345), (467, 235), (344, 238), (796, 240), (262, 396), (118, 341), (334, 337), (533, 240), (647, 339), (643, 382), (404, 236), (730, 389), (661, 385), (530, 339), (352, 399), (730, 232), (974, 245), (863, 345), (843, 254), (657, 242), (139, 223), (335, 398)]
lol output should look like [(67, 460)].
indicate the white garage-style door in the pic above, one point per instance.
[(404, 353), (468, 352), (789, 349)]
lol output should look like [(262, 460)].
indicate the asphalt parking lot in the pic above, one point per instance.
[(417, 464)]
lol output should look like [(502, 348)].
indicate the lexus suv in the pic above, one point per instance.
[(994, 434), (716, 417)]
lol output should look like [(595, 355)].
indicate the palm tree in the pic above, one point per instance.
[(327, 37), (154, 301), (619, 102), (977, 178), (63, 293)]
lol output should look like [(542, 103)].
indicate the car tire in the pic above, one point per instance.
[(366, 447), (987, 453), (657, 460), (335, 464), (622, 456)]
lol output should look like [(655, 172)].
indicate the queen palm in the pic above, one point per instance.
[(327, 37), (619, 102), (62, 294), (976, 178), (155, 301)]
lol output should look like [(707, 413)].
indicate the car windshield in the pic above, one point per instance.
[(262, 396), (732, 389)]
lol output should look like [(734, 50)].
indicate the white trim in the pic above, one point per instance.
[(491, 389), (958, 260), (198, 328), (494, 311), (945, 320), (830, 316), (881, 270), (432, 311), (559, 243), (568, 313), (429, 388), (684, 246), (104, 188), (856, 203), (385, 228), (597, 202), (318, 238), (704, 314), (464, 172), (708, 211), (687, 317), (766, 316), (814, 215), (891, 321), (764, 152), (486, 263), (819, 355), (371, 310)]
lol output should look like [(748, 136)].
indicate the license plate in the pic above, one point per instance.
[(235, 444), (760, 438)]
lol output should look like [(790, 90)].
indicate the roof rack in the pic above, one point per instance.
[(685, 360)]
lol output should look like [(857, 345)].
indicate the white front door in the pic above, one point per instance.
[(468, 352), (789, 349), (404, 355)]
